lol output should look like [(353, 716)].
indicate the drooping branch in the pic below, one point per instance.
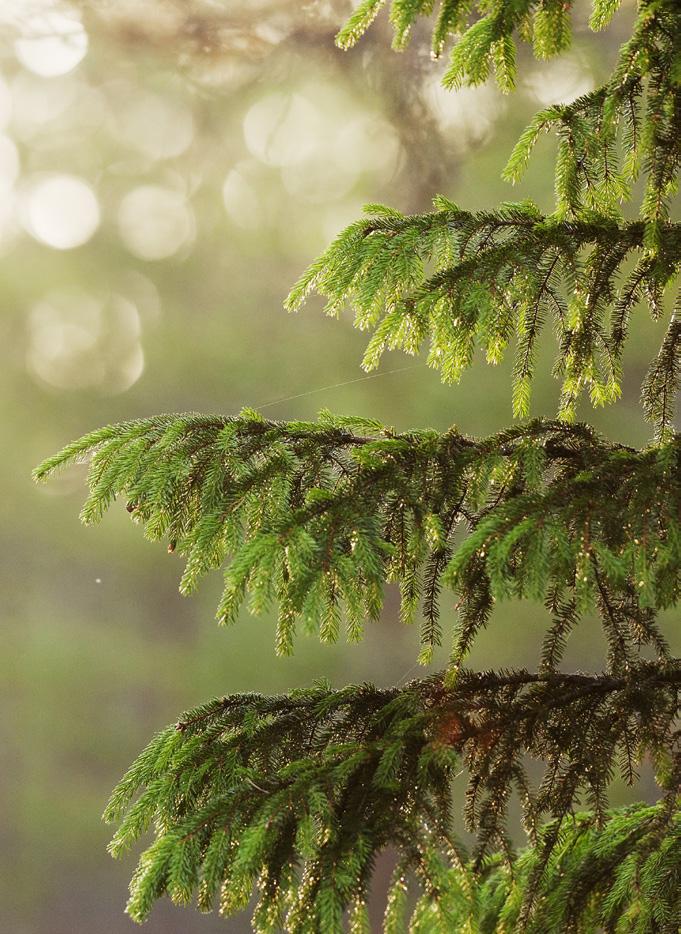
[(500, 275), (317, 516), (269, 793)]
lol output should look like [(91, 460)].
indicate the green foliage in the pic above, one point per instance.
[(294, 797), (620, 876), (318, 517), (462, 280), (484, 30)]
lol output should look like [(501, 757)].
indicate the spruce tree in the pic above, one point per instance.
[(292, 797)]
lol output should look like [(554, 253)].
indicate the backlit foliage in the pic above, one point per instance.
[(294, 797)]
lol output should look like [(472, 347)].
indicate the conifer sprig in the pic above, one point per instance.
[(618, 875), (295, 796), (485, 44), (460, 280), (316, 517)]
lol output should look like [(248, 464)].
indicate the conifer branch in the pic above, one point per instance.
[(269, 793), (317, 517), (498, 276), (294, 797), (502, 273)]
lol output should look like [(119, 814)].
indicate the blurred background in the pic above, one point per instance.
[(167, 170)]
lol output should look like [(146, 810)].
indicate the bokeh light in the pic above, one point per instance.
[(54, 40), (155, 222), (9, 164), (560, 81), (142, 292), (77, 340), (281, 129), (39, 102), (371, 142), (241, 198), (157, 126), (61, 211), (318, 179), (5, 103), (469, 115), (319, 142)]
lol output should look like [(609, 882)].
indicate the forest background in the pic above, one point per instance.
[(164, 178)]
